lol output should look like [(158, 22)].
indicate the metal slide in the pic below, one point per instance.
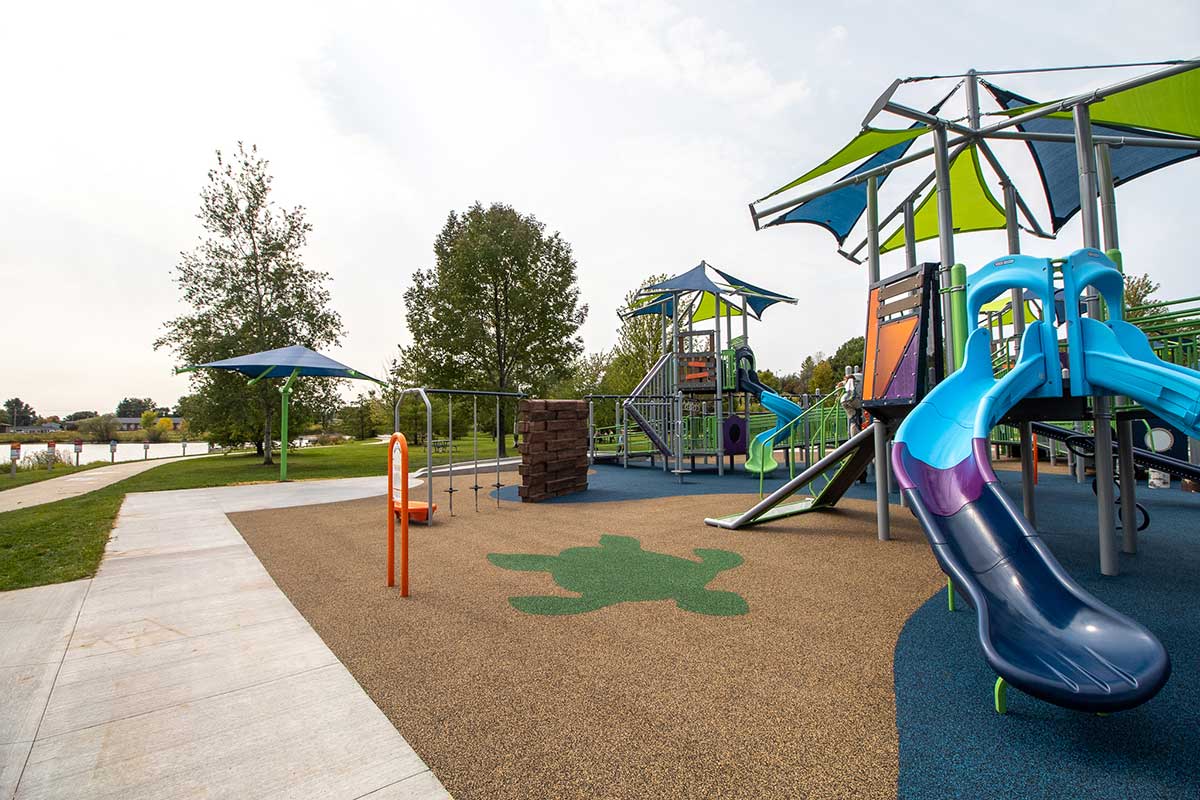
[(1143, 458), (1039, 630), (847, 463)]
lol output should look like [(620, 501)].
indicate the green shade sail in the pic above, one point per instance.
[(1170, 105), (868, 142), (707, 308), (973, 206)]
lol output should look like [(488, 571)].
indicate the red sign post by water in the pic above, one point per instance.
[(51, 455), (14, 455), (78, 450)]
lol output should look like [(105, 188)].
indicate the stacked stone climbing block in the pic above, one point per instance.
[(553, 448)]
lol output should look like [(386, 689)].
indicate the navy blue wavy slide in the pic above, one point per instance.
[(1040, 631)]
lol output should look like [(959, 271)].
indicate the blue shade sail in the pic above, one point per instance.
[(283, 361), (1056, 164)]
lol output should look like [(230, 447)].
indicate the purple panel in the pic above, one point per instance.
[(944, 491), (904, 380)]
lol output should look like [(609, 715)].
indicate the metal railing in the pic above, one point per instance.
[(652, 404)]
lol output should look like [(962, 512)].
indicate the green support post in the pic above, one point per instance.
[(1001, 693), (285, 393), (958, 311), (950, 593)]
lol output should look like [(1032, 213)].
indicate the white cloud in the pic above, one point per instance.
[(657, 44)]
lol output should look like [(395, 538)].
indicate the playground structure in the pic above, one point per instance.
[(1039, 630), (694, 402)]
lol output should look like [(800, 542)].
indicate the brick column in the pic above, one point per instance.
[(553, 448)]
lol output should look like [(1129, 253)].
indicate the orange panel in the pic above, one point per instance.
[(872, 335), (893, 338)]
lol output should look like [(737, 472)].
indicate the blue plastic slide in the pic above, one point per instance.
[(758, 454), (1040, 631)]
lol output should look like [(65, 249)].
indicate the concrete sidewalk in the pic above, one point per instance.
[(181, 670), (47, 491)]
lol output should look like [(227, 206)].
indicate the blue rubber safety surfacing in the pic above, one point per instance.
[(611, 482), (952, 742)]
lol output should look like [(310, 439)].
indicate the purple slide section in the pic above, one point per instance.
[(945, 491)]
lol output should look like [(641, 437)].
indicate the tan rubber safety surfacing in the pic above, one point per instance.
[(637, 698)]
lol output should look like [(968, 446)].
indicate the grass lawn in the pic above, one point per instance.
[(23, 477), (64, 540)]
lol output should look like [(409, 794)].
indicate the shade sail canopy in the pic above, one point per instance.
[(1167, 105), (694, 280), (973, 207), (1056, 164), (869, 142), (840, 210), (702, 297), (285, 361)]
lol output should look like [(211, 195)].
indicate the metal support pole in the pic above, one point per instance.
[(499, 439), (1085, 155), (882, 507), (475, 443), (720, 374), (910, 235), (428, 441), (945, 216), (1125, 465)]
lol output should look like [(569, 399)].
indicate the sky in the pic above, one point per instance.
[(638, 130)]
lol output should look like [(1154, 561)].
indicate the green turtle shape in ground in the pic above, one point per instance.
[(620, 571)]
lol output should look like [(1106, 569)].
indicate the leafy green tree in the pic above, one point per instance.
[(769, 379), (102, 428), (76, 416), (848, 354), (1139, 290), (248, 290), (19, 412), (149, 418), (499, 310), (639, 345), (823, 380), (134, 406), (359, 419)]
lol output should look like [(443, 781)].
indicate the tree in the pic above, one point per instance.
[(823, 380), (248, 290), (769, 379), (639, 345), (359, 419), (76, 416), (149, 418), (849, 354), (134, 406), (1138, 291), (19, 412), (587, 376), (100, 429), (499, 310)]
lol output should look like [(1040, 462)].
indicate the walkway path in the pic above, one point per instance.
[(181, 670), (89, 480)]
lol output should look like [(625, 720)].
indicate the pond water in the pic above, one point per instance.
[(126, 451)]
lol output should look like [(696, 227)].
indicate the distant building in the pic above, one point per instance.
[(45, 427), (135, 423)]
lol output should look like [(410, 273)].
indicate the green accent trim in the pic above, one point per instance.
[(958, 312), (620, 571), (1001, 694), (181, 370), (950, 593)]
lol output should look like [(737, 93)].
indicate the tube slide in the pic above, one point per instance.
[(1039, 630), (759, 456)]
